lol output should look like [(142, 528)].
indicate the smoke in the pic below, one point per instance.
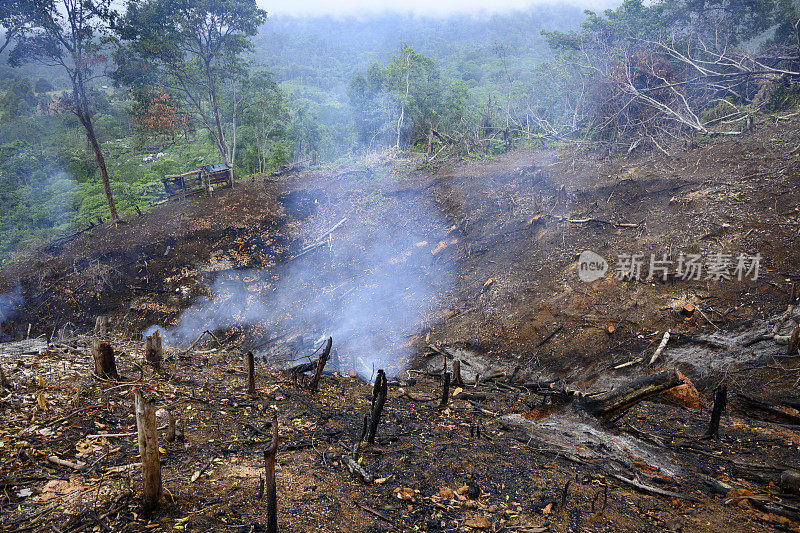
[(10, 303), (372, 284)]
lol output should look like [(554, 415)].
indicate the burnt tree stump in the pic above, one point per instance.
[(148, 450), (251, 374), (379, 392), (323, 358), (269, 479), (457, 380), (720, 399), (153, 351), (445, 389), (105, 366)]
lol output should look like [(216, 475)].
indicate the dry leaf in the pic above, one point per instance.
[(479, 522)]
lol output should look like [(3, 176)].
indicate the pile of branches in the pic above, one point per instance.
[(659, 89)]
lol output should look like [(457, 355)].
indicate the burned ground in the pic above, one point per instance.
[(498, 241)]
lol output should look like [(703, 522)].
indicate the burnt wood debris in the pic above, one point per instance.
[(377, 433)]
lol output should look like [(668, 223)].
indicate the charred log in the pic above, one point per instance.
[(613, 403)]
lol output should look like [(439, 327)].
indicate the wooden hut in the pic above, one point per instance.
[(205, 178)]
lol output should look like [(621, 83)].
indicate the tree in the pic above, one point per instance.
[(18, 99), (419, 99), (264, 113), (15, 17), (156, 114), (70, 34), (193, 49)]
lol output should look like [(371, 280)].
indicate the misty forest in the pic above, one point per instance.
[(421, 268)]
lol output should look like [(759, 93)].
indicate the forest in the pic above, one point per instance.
[(287, 89), (280, 89)]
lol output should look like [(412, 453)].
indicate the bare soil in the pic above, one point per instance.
[(511, 230)]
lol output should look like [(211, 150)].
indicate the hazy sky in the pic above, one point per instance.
[(420, 7)]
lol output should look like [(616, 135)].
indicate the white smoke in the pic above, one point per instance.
[(372, 288)]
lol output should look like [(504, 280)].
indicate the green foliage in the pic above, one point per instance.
[(403, 99)]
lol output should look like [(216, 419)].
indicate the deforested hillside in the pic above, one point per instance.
[(404, 266), (334, 267)]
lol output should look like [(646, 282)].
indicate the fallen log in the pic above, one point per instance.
[(612, 403), (653, 490), (661, 347), (789, 414)]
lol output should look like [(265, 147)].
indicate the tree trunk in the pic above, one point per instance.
[(86, 120), (101, 326), (104, 364), (720, 399), (323, 358), (148, 450)]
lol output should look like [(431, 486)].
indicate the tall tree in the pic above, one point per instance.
[(193, 49), (70, 34)]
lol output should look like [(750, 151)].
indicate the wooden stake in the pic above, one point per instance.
[(153, 352), (457, 381), (445, 389), (720, 399), (379, 393), (269, 479), (323, 358), (148, 450), (104, 364), (251, 374)]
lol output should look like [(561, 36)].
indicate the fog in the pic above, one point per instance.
[(417, 7)]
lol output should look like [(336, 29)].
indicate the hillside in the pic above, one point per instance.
[(401, 262)]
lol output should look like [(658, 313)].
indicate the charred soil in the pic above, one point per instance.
[(498, 241)]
